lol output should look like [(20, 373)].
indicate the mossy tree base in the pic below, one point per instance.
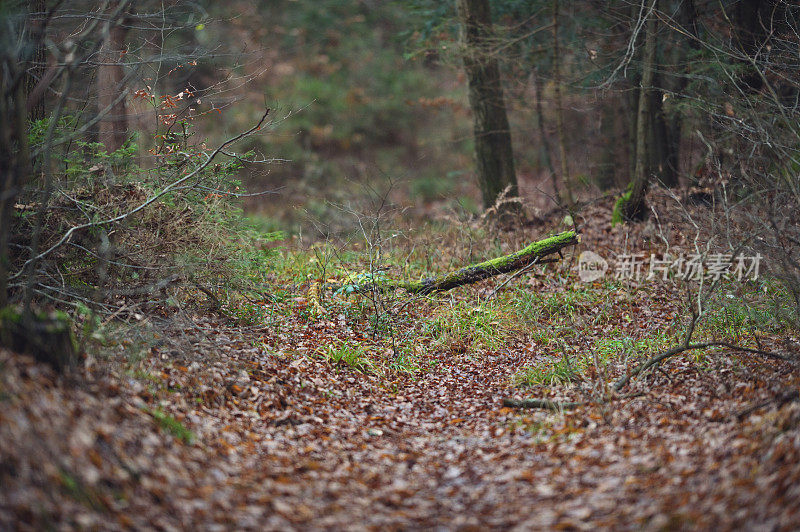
[(46, 336), (629, 209)]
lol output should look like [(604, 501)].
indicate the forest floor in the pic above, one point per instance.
[(267, 428)]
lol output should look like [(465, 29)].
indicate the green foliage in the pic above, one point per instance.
[(197, 230), (356, 282), (82, 158), (80, 162), (434, 20), (622, 346), (37, 130), (563, 306), (433, 187)]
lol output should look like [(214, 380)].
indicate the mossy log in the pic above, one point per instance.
[(46, 336), (532, 253)]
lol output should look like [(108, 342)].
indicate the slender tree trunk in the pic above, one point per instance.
[(631, 98), (493, 150), (545, 147), (114, 125), (663, 157), (14, 161), (35, 67), (675, 82), (632, 205), (562, 142), (609, 140)]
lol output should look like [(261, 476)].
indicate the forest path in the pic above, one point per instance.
[(285, 441)]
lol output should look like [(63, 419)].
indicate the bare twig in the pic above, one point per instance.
[(689, 347)]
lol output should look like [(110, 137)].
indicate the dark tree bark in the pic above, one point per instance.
[(493, 150), (672, 82), (114, 125), (631, 100), (14, 160)]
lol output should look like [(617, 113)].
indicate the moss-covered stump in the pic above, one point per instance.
[(46, 336)]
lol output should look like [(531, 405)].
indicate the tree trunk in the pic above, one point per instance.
[(674, 83), (545, 146), (631, 99), (609, 140), (749, 33), (533, 253), (18, 79), (663, 156), (110, 75), (14, 156), (562, 141), (493, 150), (632, 206)]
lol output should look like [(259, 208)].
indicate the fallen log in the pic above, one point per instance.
[(533, 253)]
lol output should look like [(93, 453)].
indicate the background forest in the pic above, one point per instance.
[(329, 264)]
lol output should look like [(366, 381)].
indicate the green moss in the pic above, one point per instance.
[(618, 215), (507, 263)]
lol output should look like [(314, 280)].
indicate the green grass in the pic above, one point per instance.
[(79, 491), (562, 371), (621, 345), (567, 304), (731, 315), (350, 354), (469, 327), (172, 426)]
